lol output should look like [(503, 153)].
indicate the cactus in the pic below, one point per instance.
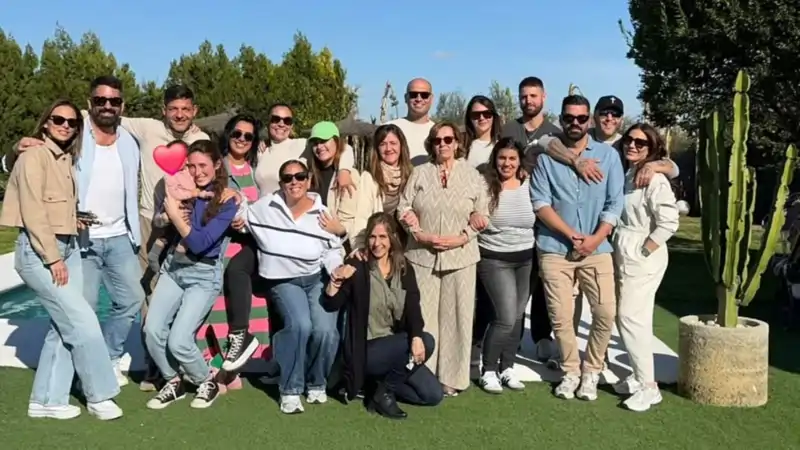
[(727, 199)]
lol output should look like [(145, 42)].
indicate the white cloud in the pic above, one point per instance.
[(441, 54)]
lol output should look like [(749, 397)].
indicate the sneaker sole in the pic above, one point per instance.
[(164, 405), (293, 412), (587, 398), (492, 391), (642, 410), (147, 386), (106, 417), (231, 366), (563, 396), (38, 414), (202, 404)]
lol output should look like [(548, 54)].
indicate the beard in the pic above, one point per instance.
[(104, 120), (532, 110), (575, 133)]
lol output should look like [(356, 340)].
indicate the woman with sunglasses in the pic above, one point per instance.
[(41, 201), (649, 219), (482, 129), (440, 200), (293, 252)]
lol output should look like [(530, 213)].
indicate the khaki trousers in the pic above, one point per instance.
[(595, 275)]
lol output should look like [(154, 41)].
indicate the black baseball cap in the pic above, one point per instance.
[(607, 102)]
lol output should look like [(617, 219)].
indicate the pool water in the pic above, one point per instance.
[(21, 303)]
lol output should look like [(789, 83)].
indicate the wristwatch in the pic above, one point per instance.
[(645, 251)]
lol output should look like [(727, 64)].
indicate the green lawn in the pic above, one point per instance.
[(533, 419)]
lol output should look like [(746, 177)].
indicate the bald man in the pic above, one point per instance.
[(417, 123)]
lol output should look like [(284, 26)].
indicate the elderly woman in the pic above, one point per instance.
[(441, 198), (385, 326), (649, 219), (294, 253)]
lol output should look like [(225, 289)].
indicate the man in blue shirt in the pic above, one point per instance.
[(576, 219)]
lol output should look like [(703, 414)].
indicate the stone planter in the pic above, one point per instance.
[(723, 366)]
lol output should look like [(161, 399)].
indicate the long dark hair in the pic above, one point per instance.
[(73, 146), (492, 174), (470, 134), (375, 159), (397, 256), (224, 143), (220, 181), (656, 148)]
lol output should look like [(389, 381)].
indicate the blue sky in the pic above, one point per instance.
[(455, 46)]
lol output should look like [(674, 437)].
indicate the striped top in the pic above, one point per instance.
[(289, 247), (511, 224), (245, 178)]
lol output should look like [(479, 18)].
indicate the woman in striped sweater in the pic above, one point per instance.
[(506, 247)]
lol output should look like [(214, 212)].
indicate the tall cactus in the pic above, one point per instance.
[(727, 198)]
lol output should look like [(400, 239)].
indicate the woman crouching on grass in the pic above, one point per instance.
[(384, 324), (190, 282)]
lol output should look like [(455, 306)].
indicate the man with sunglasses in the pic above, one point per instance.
[(417, 124), (575, 220)]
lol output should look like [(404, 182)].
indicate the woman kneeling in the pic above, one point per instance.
[(189, 282), (384, 324)]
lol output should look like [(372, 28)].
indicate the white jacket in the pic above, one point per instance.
[(289, 248)]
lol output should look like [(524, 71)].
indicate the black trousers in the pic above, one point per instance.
[(387, 358), (540, 320)]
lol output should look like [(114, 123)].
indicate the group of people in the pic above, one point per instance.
[(402, 279)]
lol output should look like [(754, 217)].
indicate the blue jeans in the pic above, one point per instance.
[(306, 346), (113, 262), (74, 342), (180, 303)]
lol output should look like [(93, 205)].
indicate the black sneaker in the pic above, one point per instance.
[(241, 346), (171, 392), (206, 394)]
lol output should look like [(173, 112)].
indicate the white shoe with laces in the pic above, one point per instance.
[(628, 386), (317, 396), (491, 383), (643, 399), (291, 404), (510, 380), (60, 412), (105, 410), (588, 389), (566, 389)]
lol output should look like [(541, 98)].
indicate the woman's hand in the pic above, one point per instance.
[(426, 239), (228, 194), (238, 224), (173, 208), (59, 272), (331, 224), (443, 243), (342, 273), (478, 222), (410, 219), (359, 254), (344, 183), (417, 350)]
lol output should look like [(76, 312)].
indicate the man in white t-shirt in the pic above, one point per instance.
[(417, 123)]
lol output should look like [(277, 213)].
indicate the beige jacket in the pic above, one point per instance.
[(445, 212), (370, 201), (41, 198), (344, 206)]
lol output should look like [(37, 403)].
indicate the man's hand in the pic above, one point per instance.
[(28, 142), (478, 222), (588, 170), (589, 244)]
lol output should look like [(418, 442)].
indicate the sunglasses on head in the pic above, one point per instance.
[(288, 121), (475, 115), (415, 94), (287, 178), (612, 112), (569, 118), (238, 134), (60, 120), (115, 102), (447, 140), (638, 143)]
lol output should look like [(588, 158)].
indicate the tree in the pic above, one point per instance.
[(451, 107), (691, 51), (504, 101), (212, 76), (257, 71)]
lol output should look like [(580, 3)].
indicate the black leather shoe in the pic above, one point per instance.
[(385, 404)]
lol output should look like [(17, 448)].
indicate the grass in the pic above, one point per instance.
[(534, 418)]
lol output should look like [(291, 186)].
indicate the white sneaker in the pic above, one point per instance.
[(509, 379), (105, 410), (317, 396), (291, 404), (643, 399), (566, 389), (628, 386), (491, 383), (122, 380), (588, 389), (60, 412)]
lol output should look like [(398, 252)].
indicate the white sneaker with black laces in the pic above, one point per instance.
[(207, 392), (241, 346), (490, 382), (170, 393), (510, 380)]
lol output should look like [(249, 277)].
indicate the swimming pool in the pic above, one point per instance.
[(21, 303)]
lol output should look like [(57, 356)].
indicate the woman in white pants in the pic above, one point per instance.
[(649, 219)]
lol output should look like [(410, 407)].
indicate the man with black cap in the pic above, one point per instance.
[(608, 114)]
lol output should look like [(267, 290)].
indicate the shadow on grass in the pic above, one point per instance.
[(687, 289)]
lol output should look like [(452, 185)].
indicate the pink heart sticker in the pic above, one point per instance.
[(171, 159)]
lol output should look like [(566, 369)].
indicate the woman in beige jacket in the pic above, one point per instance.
[(438, 203), (41, 201), (383, 182)]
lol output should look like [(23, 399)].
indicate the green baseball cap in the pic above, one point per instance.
[(324, 131)]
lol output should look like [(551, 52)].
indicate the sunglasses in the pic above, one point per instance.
[(569, 118), (288, 121), (638, 143), (610, 112), (60, 120), (237, 134), (447, 140), (287, 178), (475, 115), (415, 94), (116, 102)]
